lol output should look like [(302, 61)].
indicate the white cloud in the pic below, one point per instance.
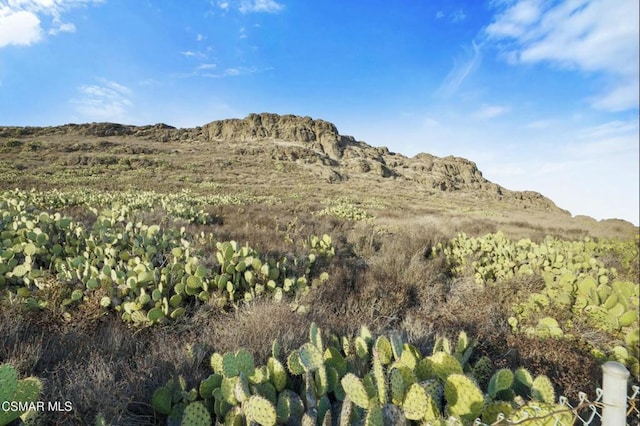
[(63, 28), (457, 15), (491, 111), (515, 20), (207, 71), (611, 128), (206, 66), (588, 169), (268, 6), (18, 27), (461, 70), (595, 36), (193, 54), (234, 72), (623, 95), (21, 21), (106, 101)]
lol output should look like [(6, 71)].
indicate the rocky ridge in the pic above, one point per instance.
[(305, 141)]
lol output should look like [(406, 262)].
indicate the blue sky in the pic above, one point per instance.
[(541, 94)]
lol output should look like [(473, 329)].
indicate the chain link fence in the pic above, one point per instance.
[(615, 404)]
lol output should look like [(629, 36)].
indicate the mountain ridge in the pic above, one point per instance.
[(306, 141)]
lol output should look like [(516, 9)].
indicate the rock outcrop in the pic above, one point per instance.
[(305, 141), (321, 134)]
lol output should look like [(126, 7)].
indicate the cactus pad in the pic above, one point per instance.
[(445, 364), (542, 390), (383, 348), (195, 414), (277, 373), (294, 364), (261, 411), (290, 407), (355, 390), (544, 413), (229, 365), (415, 402), (464, 399), (310, 357), (501, 380), (492, 411), (244, 362), (161, 400)]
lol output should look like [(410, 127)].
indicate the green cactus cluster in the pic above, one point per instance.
[(579, 292), (18, 397), (360, 380), (344, 209), (494, 257), (183, 205), (147, 273)]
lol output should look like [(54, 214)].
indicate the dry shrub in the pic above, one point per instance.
[(476, 227), (253, 326), (570, 367)]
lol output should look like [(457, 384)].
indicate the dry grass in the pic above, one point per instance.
[(386, 280), (383, 275)]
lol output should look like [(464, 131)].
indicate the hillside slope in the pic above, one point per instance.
[(282, 156)]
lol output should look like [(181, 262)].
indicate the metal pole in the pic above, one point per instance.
[(614, 394)]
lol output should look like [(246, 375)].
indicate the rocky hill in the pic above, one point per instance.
[(302, 143)]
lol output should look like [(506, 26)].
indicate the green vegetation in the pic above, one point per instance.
[(190, 281), (580, 293), (344, 209), (16, 395), (362, 379), (147, 273)]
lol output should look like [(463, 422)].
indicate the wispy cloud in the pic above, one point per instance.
[(462, 68), (205, 67), (540, 124), (456, 16), (21, 21), (193, 54), (490, 111), (595, 36), (235, 72), (105, 101), (260, 6), (207, 71)]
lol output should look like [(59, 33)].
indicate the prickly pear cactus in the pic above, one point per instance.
[(445, 364), (542, 390), (290, 407), (545, 414), (464, 399), (355, 390), (195, 414), (261, 411), (415, 402), (23, 391), (500, 381)]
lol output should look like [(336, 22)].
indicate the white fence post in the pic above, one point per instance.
[(614, 394)]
